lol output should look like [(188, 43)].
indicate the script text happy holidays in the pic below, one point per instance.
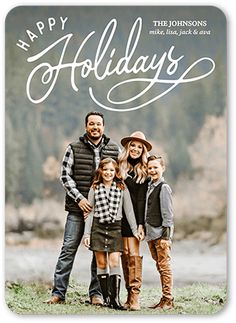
[(151, 71)]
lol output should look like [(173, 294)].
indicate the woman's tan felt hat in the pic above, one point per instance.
[(137, 136)]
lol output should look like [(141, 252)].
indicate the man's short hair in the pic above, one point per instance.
[(94, 113)]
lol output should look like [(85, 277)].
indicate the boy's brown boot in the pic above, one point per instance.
[(165, 304)]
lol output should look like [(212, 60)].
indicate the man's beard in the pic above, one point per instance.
[(90, 136)]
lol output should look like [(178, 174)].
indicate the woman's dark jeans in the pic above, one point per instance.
[(74, 230)]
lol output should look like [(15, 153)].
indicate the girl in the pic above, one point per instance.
[(133, 168), (108, 195)]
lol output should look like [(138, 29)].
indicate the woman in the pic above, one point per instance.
[(132, 164)]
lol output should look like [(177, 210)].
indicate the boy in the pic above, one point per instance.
[(159, 227)]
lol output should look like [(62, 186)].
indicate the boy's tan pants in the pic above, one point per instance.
[(161, 254)]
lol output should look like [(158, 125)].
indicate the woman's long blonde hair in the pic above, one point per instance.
[(140, 169)]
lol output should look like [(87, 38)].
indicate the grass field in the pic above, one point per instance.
[(28, 298)]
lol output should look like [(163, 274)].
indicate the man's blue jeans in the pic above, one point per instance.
[(74, 230)]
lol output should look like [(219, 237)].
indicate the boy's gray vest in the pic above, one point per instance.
[(154, 217)]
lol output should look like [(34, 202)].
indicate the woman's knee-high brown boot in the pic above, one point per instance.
[(125, 266), (135, 281)]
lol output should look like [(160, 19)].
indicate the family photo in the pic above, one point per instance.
[(116, 160)]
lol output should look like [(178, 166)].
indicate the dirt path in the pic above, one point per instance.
[(192, 261)]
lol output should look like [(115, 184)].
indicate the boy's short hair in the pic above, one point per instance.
[(159, 158)]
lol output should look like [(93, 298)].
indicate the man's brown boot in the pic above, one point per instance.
[(96, 300), (55, 300)]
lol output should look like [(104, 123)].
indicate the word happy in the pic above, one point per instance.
[(40, 25), (103, 66)]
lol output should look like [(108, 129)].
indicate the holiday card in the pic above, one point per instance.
[(159, 70)]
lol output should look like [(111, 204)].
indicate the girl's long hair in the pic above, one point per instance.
[(140, 169), (98, 175)]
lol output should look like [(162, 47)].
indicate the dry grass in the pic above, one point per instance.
[(28, 298)]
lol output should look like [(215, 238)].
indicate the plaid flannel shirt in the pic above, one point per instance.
[(67, 173), (107, 205)]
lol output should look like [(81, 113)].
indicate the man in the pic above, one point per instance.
[(80, 161)]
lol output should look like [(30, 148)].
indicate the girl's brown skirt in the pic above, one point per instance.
[(106, 236)]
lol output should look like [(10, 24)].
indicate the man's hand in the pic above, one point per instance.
[(85, 206)]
